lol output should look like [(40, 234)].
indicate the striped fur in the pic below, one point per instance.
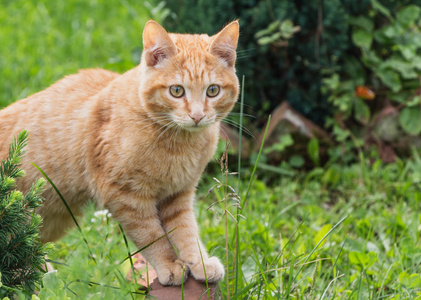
[(125, 142)]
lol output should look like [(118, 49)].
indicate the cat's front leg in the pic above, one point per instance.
[(178, 213), (140, 221)]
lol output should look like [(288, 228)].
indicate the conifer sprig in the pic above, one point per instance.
[(21, 252)]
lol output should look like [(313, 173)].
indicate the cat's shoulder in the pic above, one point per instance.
[(93, 79), (81, 85)]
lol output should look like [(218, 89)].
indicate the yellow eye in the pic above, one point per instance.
[(177, 91), (213, 90)]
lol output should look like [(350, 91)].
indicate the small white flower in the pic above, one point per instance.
[(93, 220), (101, 213)]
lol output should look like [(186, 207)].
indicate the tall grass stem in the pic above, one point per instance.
[(237, 229), (67, 207)]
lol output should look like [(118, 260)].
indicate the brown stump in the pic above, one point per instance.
[(192, 289)]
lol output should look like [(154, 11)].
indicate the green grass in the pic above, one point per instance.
[(42, 41), (294, 242), (374, 252)]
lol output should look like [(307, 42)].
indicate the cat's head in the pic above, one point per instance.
[(188, 80)]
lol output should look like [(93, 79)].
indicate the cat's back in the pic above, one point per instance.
[(75, 87), (59, 101)]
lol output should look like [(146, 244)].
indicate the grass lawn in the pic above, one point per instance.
[(337, 232), (327, 234)]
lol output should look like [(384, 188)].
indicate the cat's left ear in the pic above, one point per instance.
[(157, 44), (225, 42)]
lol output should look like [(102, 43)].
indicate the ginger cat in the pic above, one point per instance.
[(136, 143)]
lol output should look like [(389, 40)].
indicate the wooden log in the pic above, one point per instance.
[(192, 289)]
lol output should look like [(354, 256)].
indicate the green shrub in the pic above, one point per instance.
[(292, 70), (276, 71), (21, 251), (382, 80)]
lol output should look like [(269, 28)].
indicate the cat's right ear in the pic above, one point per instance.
[(157, 44)]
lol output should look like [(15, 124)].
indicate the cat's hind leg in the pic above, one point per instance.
[(54, 227)]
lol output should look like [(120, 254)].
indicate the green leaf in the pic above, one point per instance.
[(380, 8), (354, 68), (390, 79), (394, 30), (313, 150), (408, 15), (409, 53), (415, 101), (362, 22), (287, 29), (397, 63), (417, 62), (371, 59), (269, 39), (339, 133), (321, 233), (296, 161), (284, 142), (409, 281), (332, 82), (362, 260), (362, 38), (270, 29), (51, 281), (410, 120), (362, 111)]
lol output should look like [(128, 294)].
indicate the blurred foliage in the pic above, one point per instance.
[(42, 41), (276, 71), (390, 68), (287, 47)]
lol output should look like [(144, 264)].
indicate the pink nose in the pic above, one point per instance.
[(197, 117)]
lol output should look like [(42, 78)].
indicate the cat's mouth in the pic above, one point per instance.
[(195, 127)]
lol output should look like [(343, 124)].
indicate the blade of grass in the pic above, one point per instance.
[(383, 282), (143, 248), (333, 270), (327, 288), (256, 163), (204, 270), (239, 185), (67, 207), (182, 284), (128, 252), (290, 277), (262, 271), (319, 243), (243, 291)]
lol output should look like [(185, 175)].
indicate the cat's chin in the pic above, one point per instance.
[(195, 128)]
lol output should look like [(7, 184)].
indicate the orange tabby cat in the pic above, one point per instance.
[(136, 143)]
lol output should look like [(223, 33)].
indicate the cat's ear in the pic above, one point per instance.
[(157, 44), (225, 42)]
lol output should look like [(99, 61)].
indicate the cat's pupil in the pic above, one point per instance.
[(213, 90), (177, 91)]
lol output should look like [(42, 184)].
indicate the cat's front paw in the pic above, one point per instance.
[(214, 270), (172, 273)]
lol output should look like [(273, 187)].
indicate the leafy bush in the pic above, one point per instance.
[(291, 70), (288, 48), (383, 79), (21, 251)]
